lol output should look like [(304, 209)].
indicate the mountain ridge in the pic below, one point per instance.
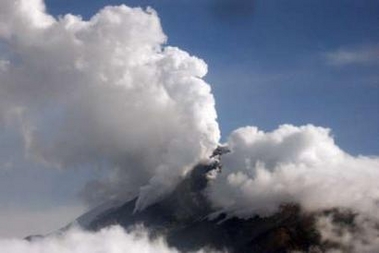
[(189, 223)]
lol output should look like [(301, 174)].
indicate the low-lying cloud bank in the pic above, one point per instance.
[(109, 240)]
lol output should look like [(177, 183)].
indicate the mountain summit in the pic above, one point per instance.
[(189, 223)]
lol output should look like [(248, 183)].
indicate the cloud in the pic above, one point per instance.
[(358, 55), (105, 92), (109, 240), (292, 164), (362, 236)]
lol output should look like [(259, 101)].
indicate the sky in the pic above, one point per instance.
[(269, 63), (274, 62)]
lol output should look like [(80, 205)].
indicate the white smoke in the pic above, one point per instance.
[(105, 92), (360, 237), (109, 240), (299, 165)]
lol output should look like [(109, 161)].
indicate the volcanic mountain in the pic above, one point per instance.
[(189, 223)]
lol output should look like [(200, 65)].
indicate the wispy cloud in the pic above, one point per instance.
[(367, 54)]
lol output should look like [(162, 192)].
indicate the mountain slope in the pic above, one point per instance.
[(184, 219)]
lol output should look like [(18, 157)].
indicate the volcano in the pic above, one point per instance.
[(189, 223)]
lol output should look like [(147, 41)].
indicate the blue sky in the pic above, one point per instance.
[(271, 62)]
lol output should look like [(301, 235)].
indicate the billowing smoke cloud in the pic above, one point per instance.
[(292, 164), (302, 165), (109, 240), (105, 92)]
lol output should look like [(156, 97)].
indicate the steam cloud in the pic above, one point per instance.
[(301, 165), (293, 165), (109, 240), (363, 238), (105, 92)]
